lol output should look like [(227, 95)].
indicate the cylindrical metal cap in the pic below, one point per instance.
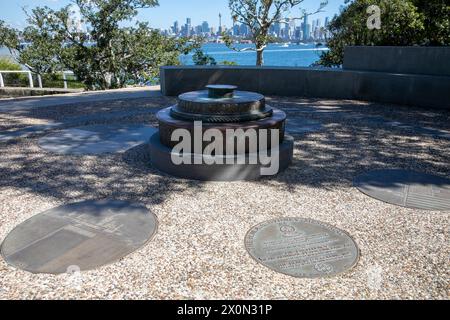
[(219, 91)]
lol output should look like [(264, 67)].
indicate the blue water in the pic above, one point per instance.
[(295, 55), (302, 55)]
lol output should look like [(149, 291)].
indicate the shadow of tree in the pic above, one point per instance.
[(352, 142), (72, 112), (25, 168), (358, 138)]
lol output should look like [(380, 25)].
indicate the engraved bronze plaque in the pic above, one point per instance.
[(85, 235), (408, 189), (302, 248)]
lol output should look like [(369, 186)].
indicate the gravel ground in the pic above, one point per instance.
[(199, 250)]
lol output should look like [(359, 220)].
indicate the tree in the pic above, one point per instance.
[(259, 16), (202, 59), (109, 58), (436, 19), (403, 23)]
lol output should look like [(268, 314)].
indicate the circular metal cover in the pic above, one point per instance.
[(96, 139), (221, 87), (406, 188), (83, 235), (218, 91), (302, 248)]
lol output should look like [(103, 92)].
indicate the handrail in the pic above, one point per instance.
[(30, 77)]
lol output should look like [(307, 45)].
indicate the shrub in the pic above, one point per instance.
[(12, 79)]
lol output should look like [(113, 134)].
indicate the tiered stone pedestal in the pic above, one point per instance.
[(219, 108)]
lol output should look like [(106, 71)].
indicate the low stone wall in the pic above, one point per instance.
[(407, 89), (12, 92), (410, 60)]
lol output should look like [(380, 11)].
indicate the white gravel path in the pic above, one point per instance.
[(199, 250)]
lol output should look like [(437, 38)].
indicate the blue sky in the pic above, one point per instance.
[(162, 16)]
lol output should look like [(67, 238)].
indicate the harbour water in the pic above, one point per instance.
[(292, 55)]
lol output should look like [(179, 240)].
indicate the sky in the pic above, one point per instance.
[(164, 15)]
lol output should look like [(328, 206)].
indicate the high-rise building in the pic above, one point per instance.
[(220, 24), (205, 27), (244, 30), (292, 25), (316, 30), (236, 31), (305, 28), (277, 29), (289, 28), (176, 27), (298, 33), (188, 27), (326, 32)]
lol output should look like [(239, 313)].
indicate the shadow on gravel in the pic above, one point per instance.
[(86, 111), (125, 176), (348, 146), (360, 137)]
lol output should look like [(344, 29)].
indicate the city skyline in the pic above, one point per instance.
[(308, 29), (163, 17)]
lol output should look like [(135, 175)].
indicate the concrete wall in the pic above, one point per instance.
[(411, 60), (408, 89)]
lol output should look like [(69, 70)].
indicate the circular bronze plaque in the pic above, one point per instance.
[(302, 248), (83, 235), (408, 189)]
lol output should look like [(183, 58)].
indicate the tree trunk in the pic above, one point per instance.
[(260, 56)]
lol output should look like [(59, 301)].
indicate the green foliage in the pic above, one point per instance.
[(403, 23), (228, 63), (436, 19), (8, 36), (202, 59), (12, 79), (116, 55), (56, 80), (9, 64)]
